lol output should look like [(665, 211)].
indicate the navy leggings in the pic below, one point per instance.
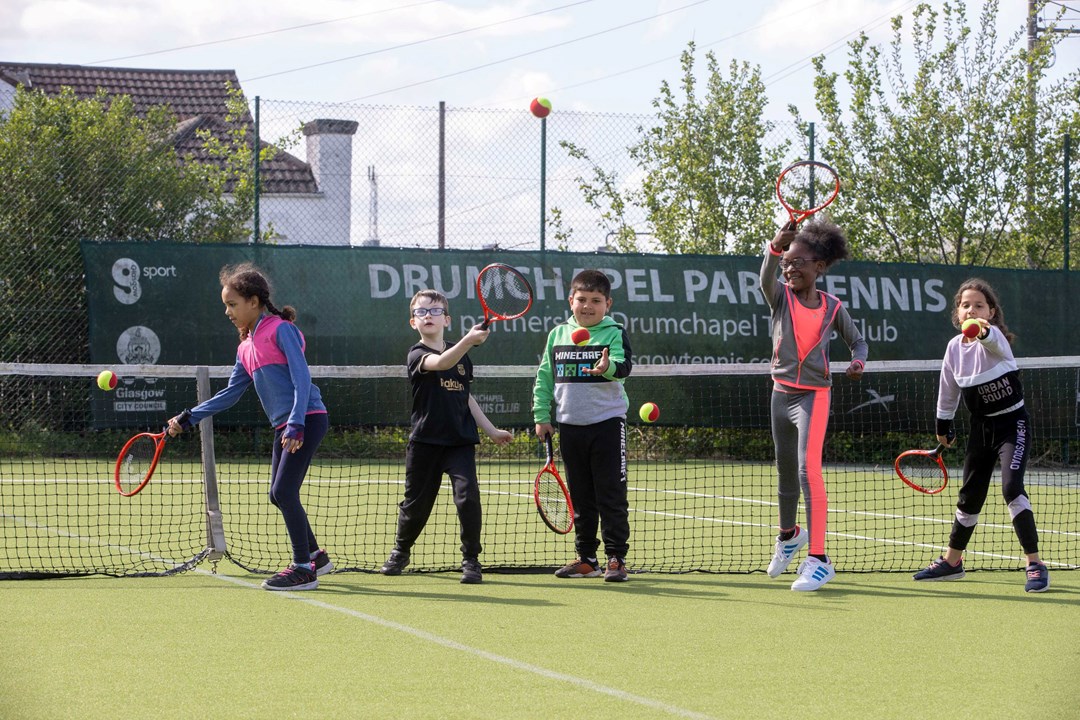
[(287, 472)]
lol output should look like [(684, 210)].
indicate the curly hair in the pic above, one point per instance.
[(990, 294), (250, 282), (825, 240)]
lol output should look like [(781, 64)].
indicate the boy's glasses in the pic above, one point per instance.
[(792, 264), (433, 311)]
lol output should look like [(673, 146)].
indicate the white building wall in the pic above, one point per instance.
[(325, 217)]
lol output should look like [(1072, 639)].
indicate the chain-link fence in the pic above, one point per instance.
[(354, 176), (333, 175), (447, 177)]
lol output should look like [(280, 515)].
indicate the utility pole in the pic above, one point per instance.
[(373, 209), (1034, 30)]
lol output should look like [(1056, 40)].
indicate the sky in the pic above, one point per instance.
[(583, 55)]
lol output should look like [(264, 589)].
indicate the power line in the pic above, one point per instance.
[(415, 42), (263, 34), (1061, 5), (525, 54), (831, 47), (669, 58)]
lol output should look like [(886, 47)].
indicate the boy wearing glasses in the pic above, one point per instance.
[(445, 418), (803, 321)]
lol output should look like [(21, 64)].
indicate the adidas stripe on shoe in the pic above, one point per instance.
[(785, 551)]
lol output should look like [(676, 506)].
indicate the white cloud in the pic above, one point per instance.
[(801, 26)]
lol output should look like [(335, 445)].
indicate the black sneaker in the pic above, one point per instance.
[(1038, 578), (470, 571), (940, 569), (322, 562), (394, 564), (294, 577)]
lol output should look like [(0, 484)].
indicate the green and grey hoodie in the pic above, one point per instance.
[(582, 399)]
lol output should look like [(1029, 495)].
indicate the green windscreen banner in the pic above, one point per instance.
[(160, 303)]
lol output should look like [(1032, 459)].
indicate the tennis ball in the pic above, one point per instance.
[(106, 380), (580, 336), (971, 328), (649, 412), (540, 107)]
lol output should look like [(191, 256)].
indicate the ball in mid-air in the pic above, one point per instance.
[(106, 380), (540, 107), (971, 328), (580, 336), (649, 412)]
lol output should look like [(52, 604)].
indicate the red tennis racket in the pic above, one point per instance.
[(504, 293), (806, 187), (923, 470), (136, 463), (552, 497)]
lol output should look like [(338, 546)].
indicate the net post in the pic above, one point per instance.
[(215, 530)]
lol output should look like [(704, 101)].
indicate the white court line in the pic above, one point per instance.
[(477, 652), (399, 627), (833, 510), (865, 538)]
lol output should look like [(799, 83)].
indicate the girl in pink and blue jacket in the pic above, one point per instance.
[(271, 356)]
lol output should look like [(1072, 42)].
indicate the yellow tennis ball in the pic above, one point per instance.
[(971, 328), (649, 412), (106, 380)]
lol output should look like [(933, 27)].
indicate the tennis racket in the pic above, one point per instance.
[(923, 470), (806, 187), (504, 293), (136, 463), (552, 497)]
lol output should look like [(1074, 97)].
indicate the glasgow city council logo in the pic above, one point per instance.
[(138, 345)]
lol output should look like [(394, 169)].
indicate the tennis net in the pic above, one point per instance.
[(702, 481)]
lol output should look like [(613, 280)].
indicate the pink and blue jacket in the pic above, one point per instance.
[(272, 356)]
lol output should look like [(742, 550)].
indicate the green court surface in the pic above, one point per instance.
[(868, 645)]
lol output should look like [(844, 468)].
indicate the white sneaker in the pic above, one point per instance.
[(785, 551), (813, 574)]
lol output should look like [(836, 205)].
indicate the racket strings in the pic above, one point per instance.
[(504, 291), (805, 188), (552, 500), (921, 469), (136, 462)]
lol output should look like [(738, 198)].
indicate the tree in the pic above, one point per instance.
[(707, 174), (92, 169), (938, 162)]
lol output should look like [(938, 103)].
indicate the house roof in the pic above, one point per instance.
[(197, 97)]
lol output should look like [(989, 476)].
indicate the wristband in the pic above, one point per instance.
[(184, 420), (296, 432), (944, 427)]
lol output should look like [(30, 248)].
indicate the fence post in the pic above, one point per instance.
[(255, 229), (215, 530), (1066, 203), (442, 174), (543, 180)]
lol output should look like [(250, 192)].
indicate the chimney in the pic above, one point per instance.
[(329, 152)]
